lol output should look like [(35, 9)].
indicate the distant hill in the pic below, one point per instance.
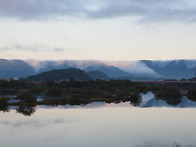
[(175, 69), (98, 75), (134, 70), (86, 65), (111, 71), (141, 69), (14, 68), (61, 74)]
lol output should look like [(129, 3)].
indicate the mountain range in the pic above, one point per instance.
[(15, 68), (141, 69)]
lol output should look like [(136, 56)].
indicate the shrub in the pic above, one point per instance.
[(27, 96), (192, 94)]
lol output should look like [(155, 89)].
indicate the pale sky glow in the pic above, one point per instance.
[(103, 30)]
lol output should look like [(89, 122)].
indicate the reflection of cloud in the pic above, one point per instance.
[(34, 123), (4, 122), (17, 124), (100, 104), (59, 121), (27, 123), (152, 144), (145, 10)]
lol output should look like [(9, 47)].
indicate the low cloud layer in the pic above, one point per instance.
[(144, 10)]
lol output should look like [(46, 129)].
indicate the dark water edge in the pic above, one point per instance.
[(147, 100)]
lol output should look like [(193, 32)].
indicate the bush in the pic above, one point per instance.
[(192, 94), (27, 96), (55, 92), (3, 101)]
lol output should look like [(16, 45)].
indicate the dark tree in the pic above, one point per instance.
[(192, 94), (27, 97)]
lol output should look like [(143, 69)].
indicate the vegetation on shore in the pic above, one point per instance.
[(83, 92), (192, 94)]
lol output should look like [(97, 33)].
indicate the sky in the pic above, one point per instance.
[(98, 29)]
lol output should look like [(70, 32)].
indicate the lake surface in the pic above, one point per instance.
[(109, 125), (153, 124)]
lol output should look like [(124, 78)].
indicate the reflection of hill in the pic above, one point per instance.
[(186, 103), (149, 100), (155, 103)]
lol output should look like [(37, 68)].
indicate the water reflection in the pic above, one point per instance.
[(100, 127), (143, 101), (4, 108), (26, 110), (149, 100), (4, 104)]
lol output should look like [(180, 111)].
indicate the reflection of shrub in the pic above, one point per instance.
[(3, 101), (156, 88), (27, 96), (37, 90), (6, 91), (135, 99), (171, 95), (26, 110), (176, 145), (77, 101), (192, 94), (173, 101), (4, 104)]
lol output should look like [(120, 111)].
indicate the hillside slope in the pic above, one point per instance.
[(61, 74), (98, 75), (14, 68)]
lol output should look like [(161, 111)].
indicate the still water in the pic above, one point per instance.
[(99, 125)]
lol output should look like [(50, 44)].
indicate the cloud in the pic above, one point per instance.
[(22, 48), (148, 11), (57, 49), (134, 67), (18, 47), (39, 9), (34, 48)]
